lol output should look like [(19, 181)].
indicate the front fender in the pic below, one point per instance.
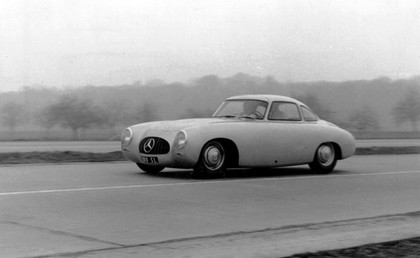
[(190, 154), (199, 136)]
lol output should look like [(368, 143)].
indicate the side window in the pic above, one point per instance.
[(308, 115), (285, 111)]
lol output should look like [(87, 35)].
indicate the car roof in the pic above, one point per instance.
[(265, 97)]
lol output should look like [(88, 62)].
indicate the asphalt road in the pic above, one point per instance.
[(112, 210), (109, 146)]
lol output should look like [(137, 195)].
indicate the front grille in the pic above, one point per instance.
[(154, 145)]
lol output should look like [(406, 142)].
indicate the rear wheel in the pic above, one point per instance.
[(150, 169), (212, 161), (325, 159)]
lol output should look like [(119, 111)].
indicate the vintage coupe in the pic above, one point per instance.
[(245, 131)]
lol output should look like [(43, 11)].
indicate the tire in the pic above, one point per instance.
[(150, 169), (325, 159), (212, 161)]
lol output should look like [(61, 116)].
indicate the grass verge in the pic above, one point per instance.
[(388, 150), (58, 157), (77, 156), (400, 248)]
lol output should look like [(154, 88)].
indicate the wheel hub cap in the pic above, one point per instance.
[(213, 157), (326, 155)]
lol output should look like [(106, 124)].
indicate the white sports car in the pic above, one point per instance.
[(245, 131)]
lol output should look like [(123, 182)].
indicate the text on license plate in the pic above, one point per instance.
[(149, 160)]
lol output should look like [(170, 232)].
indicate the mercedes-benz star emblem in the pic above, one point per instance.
[(148, 145)]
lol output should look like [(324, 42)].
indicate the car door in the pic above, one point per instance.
[(283, 139)]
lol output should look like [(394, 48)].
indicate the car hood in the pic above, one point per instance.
[(176, 125)]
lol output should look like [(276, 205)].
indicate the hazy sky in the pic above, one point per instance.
[(110, 42)]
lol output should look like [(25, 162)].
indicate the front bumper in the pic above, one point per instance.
[(185, 158)]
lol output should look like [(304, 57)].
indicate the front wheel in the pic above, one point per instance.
[(150, 169), (325, 159), (212, 161)]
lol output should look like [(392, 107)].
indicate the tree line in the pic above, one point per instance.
[(370, 105)]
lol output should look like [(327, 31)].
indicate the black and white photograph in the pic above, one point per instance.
[(209, 129)]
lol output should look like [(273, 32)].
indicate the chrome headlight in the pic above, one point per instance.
[(126, 137), (180, 140)]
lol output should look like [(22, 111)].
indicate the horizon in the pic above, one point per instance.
[(188, 83)]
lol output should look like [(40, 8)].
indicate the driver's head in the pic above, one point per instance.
[(250, 107)]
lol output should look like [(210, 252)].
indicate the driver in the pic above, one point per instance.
[(250, 108)]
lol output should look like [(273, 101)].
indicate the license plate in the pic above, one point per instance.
[(149, 160)]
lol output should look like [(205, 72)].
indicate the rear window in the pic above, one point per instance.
[(308, 115)]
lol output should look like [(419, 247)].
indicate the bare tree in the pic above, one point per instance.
[(408, 109), (208, 81), (193, 113), (12, 114), (75, 114), (117, 113), (364, 119), (313, 102), (149, 112), (145, 112)]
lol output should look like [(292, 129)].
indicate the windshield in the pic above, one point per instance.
[(252, 109)]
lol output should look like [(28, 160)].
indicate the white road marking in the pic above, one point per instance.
[(198, 182)]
